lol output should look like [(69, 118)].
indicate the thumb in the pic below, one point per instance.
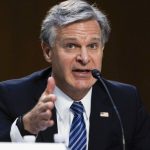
[(50, 85)]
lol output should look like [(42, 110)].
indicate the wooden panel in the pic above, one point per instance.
[(126, 56)]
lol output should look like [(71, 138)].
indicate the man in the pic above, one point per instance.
[(73, 36)]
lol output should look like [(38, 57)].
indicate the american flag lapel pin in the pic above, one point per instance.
[(104, 114)]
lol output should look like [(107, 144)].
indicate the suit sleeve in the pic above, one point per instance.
[(142, 131), (5, 116)]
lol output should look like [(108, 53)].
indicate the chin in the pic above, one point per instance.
[(82, 86)]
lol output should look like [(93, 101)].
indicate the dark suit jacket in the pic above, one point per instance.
[(20, 95)]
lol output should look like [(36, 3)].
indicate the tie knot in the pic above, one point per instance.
[(77, 108)]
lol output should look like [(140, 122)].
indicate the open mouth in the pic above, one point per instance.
[(82, 70), (82, 73)]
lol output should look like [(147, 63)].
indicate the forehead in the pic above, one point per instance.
[(81, 29)]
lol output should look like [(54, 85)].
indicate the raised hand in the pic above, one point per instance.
[(39, 118)]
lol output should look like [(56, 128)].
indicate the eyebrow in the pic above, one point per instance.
[(96, 39)]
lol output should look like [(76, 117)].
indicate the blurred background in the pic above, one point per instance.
[(126, 55)]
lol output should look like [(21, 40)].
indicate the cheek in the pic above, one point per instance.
[(62, 63), (97, 60)]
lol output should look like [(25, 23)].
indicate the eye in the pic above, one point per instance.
[(70, 46), (93, 46)]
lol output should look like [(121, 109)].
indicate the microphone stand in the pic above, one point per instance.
[(96, 74)]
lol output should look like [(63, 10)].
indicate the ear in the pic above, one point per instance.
[(103, 51), (103, 48), (47, 52)]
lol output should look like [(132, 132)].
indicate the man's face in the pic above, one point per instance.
[(78, 50)]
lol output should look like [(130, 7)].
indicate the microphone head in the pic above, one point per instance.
[(96, 73)]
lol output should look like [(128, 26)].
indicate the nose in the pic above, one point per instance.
[(83, 57)]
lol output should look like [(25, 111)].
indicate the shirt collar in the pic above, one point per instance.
[(63, 103)]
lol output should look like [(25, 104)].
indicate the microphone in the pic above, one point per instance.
[(96, 74)]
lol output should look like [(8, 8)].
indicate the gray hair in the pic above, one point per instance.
[(68, 12)]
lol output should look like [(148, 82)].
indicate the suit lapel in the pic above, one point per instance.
[(103, 120)]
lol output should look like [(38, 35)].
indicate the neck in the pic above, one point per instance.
[(76, 95)]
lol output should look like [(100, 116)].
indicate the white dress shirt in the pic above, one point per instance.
[(64, 116)]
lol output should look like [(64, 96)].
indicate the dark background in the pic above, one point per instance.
[(126, 55)]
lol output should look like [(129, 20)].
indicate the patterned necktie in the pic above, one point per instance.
[(77, 136)]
